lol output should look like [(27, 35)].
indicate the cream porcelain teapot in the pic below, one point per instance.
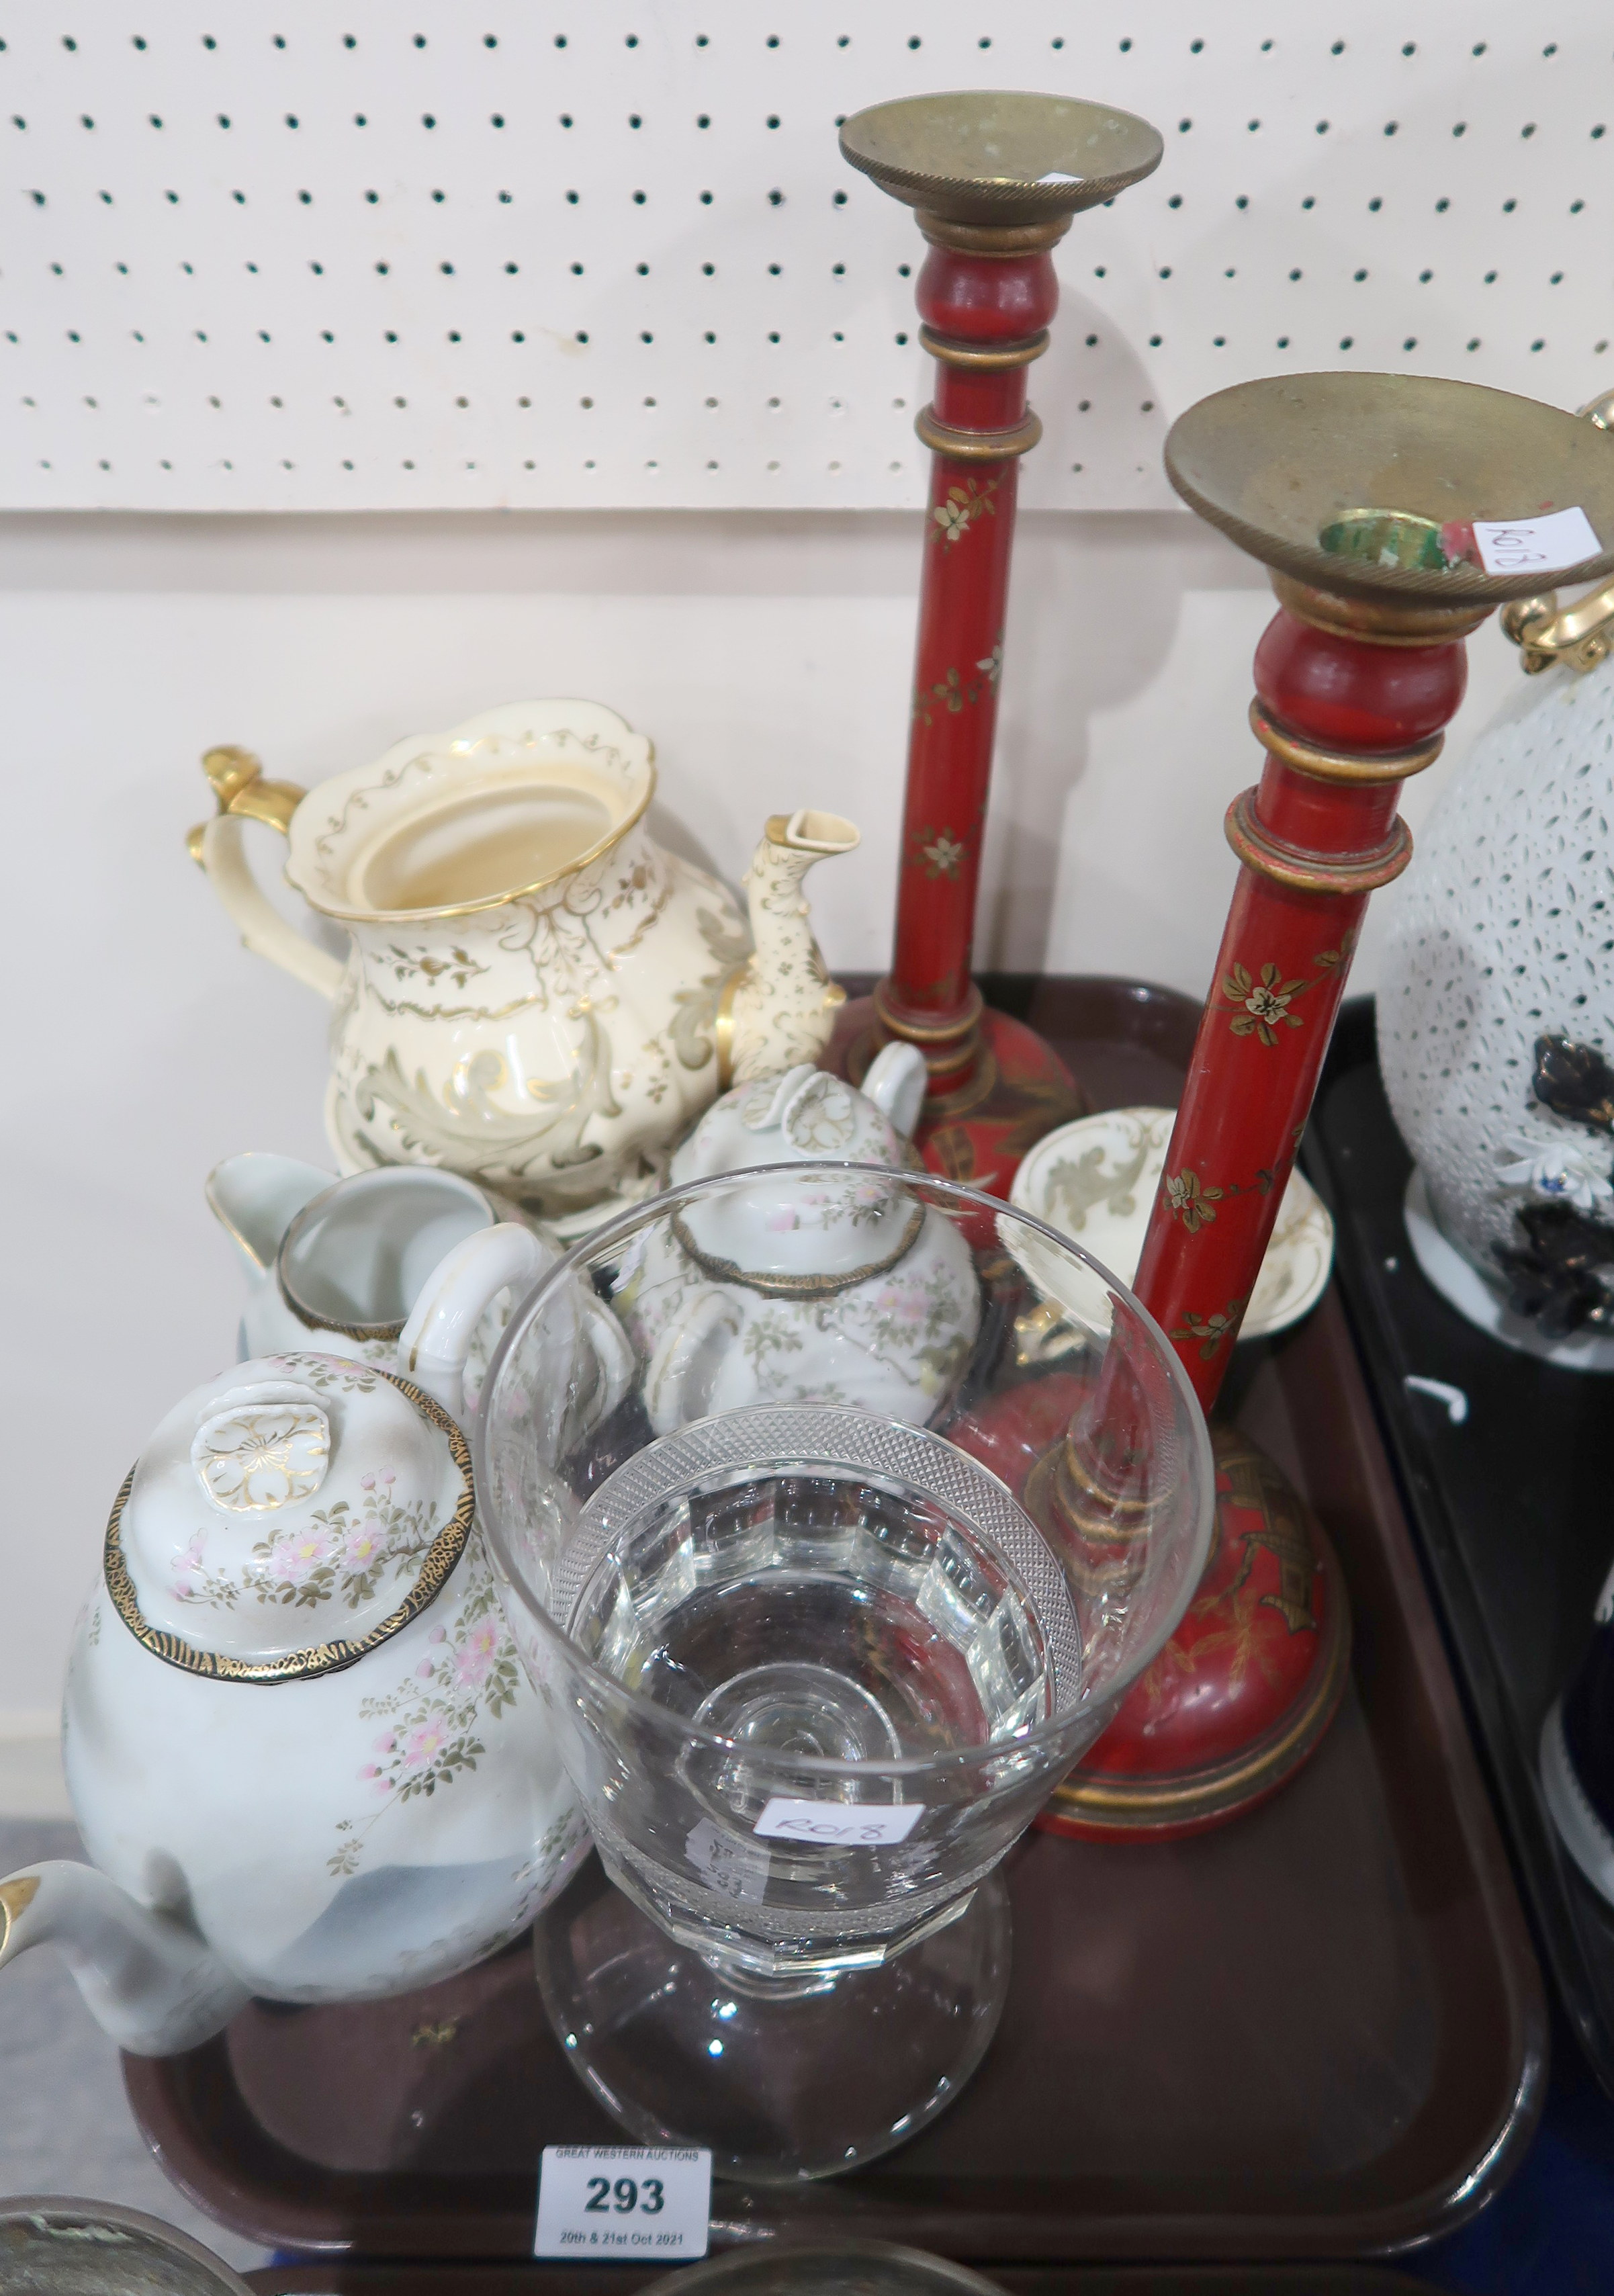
[(848, 1293), (300, 1748), (537, 995)]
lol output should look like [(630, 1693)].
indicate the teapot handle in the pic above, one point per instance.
[(216, 846)]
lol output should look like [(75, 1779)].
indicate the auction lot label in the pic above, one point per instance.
[(623, 2201)]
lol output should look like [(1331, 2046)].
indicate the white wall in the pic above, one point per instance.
[(768, 657)]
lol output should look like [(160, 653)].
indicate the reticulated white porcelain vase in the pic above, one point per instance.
[(1503, 937)]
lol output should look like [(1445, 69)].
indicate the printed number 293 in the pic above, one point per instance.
[(622, 2198)]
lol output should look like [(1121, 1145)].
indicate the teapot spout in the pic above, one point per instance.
[(255, 1198), (148, 1980), (783, 1007)]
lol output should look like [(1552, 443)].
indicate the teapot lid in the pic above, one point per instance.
[(780, 1237), (287, 1517)]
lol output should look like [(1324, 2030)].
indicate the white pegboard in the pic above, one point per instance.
[(359, 254)]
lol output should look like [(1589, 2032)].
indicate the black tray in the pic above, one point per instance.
[(1511, 1507)]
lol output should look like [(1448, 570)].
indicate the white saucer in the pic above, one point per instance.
[(1096, 1181)]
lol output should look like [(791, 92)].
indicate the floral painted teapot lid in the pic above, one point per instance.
[(287, 1517), (779, 1238)]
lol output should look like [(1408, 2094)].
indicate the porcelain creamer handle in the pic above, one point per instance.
[(244, 795), (435, 1342)]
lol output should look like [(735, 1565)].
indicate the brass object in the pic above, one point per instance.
[(1310, 872), (1277, 463), (1342, 765), (976, 445), (1376, 621), (992, 238), (1006, 162), (1582, 634), (325, 1658), (970, 354)]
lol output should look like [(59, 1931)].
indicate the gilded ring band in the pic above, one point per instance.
[(980, 356), (1311, 873), (978, 445), (1342, 765)]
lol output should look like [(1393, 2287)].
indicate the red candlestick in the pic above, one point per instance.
[(996, 179), (1349, 702), (986, 318), (1362, 493)]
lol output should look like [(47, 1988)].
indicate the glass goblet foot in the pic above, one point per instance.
[(785, 2078)]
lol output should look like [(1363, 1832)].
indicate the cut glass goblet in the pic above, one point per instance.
[(813, 1668)]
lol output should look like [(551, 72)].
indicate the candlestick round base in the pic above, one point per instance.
[(978, 1130), (1244, 1690)]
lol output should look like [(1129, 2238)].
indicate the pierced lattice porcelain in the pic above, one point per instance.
[(1502, 934)]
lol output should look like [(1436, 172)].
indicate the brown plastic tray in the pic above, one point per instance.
[(1318, 2032), (1023, 2280)]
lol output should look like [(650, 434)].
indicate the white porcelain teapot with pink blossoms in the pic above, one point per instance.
[(845, 1291), (300, 1745)]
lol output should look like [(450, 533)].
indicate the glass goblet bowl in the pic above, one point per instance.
[(830, 1541)]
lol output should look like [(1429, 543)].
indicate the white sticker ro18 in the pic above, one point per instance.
[(1536, 545), (624, 2201), (839, 1824)]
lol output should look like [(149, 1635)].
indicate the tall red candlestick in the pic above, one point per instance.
[(1362, 493), (996, 179), (985, 317), (1350, 700)]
